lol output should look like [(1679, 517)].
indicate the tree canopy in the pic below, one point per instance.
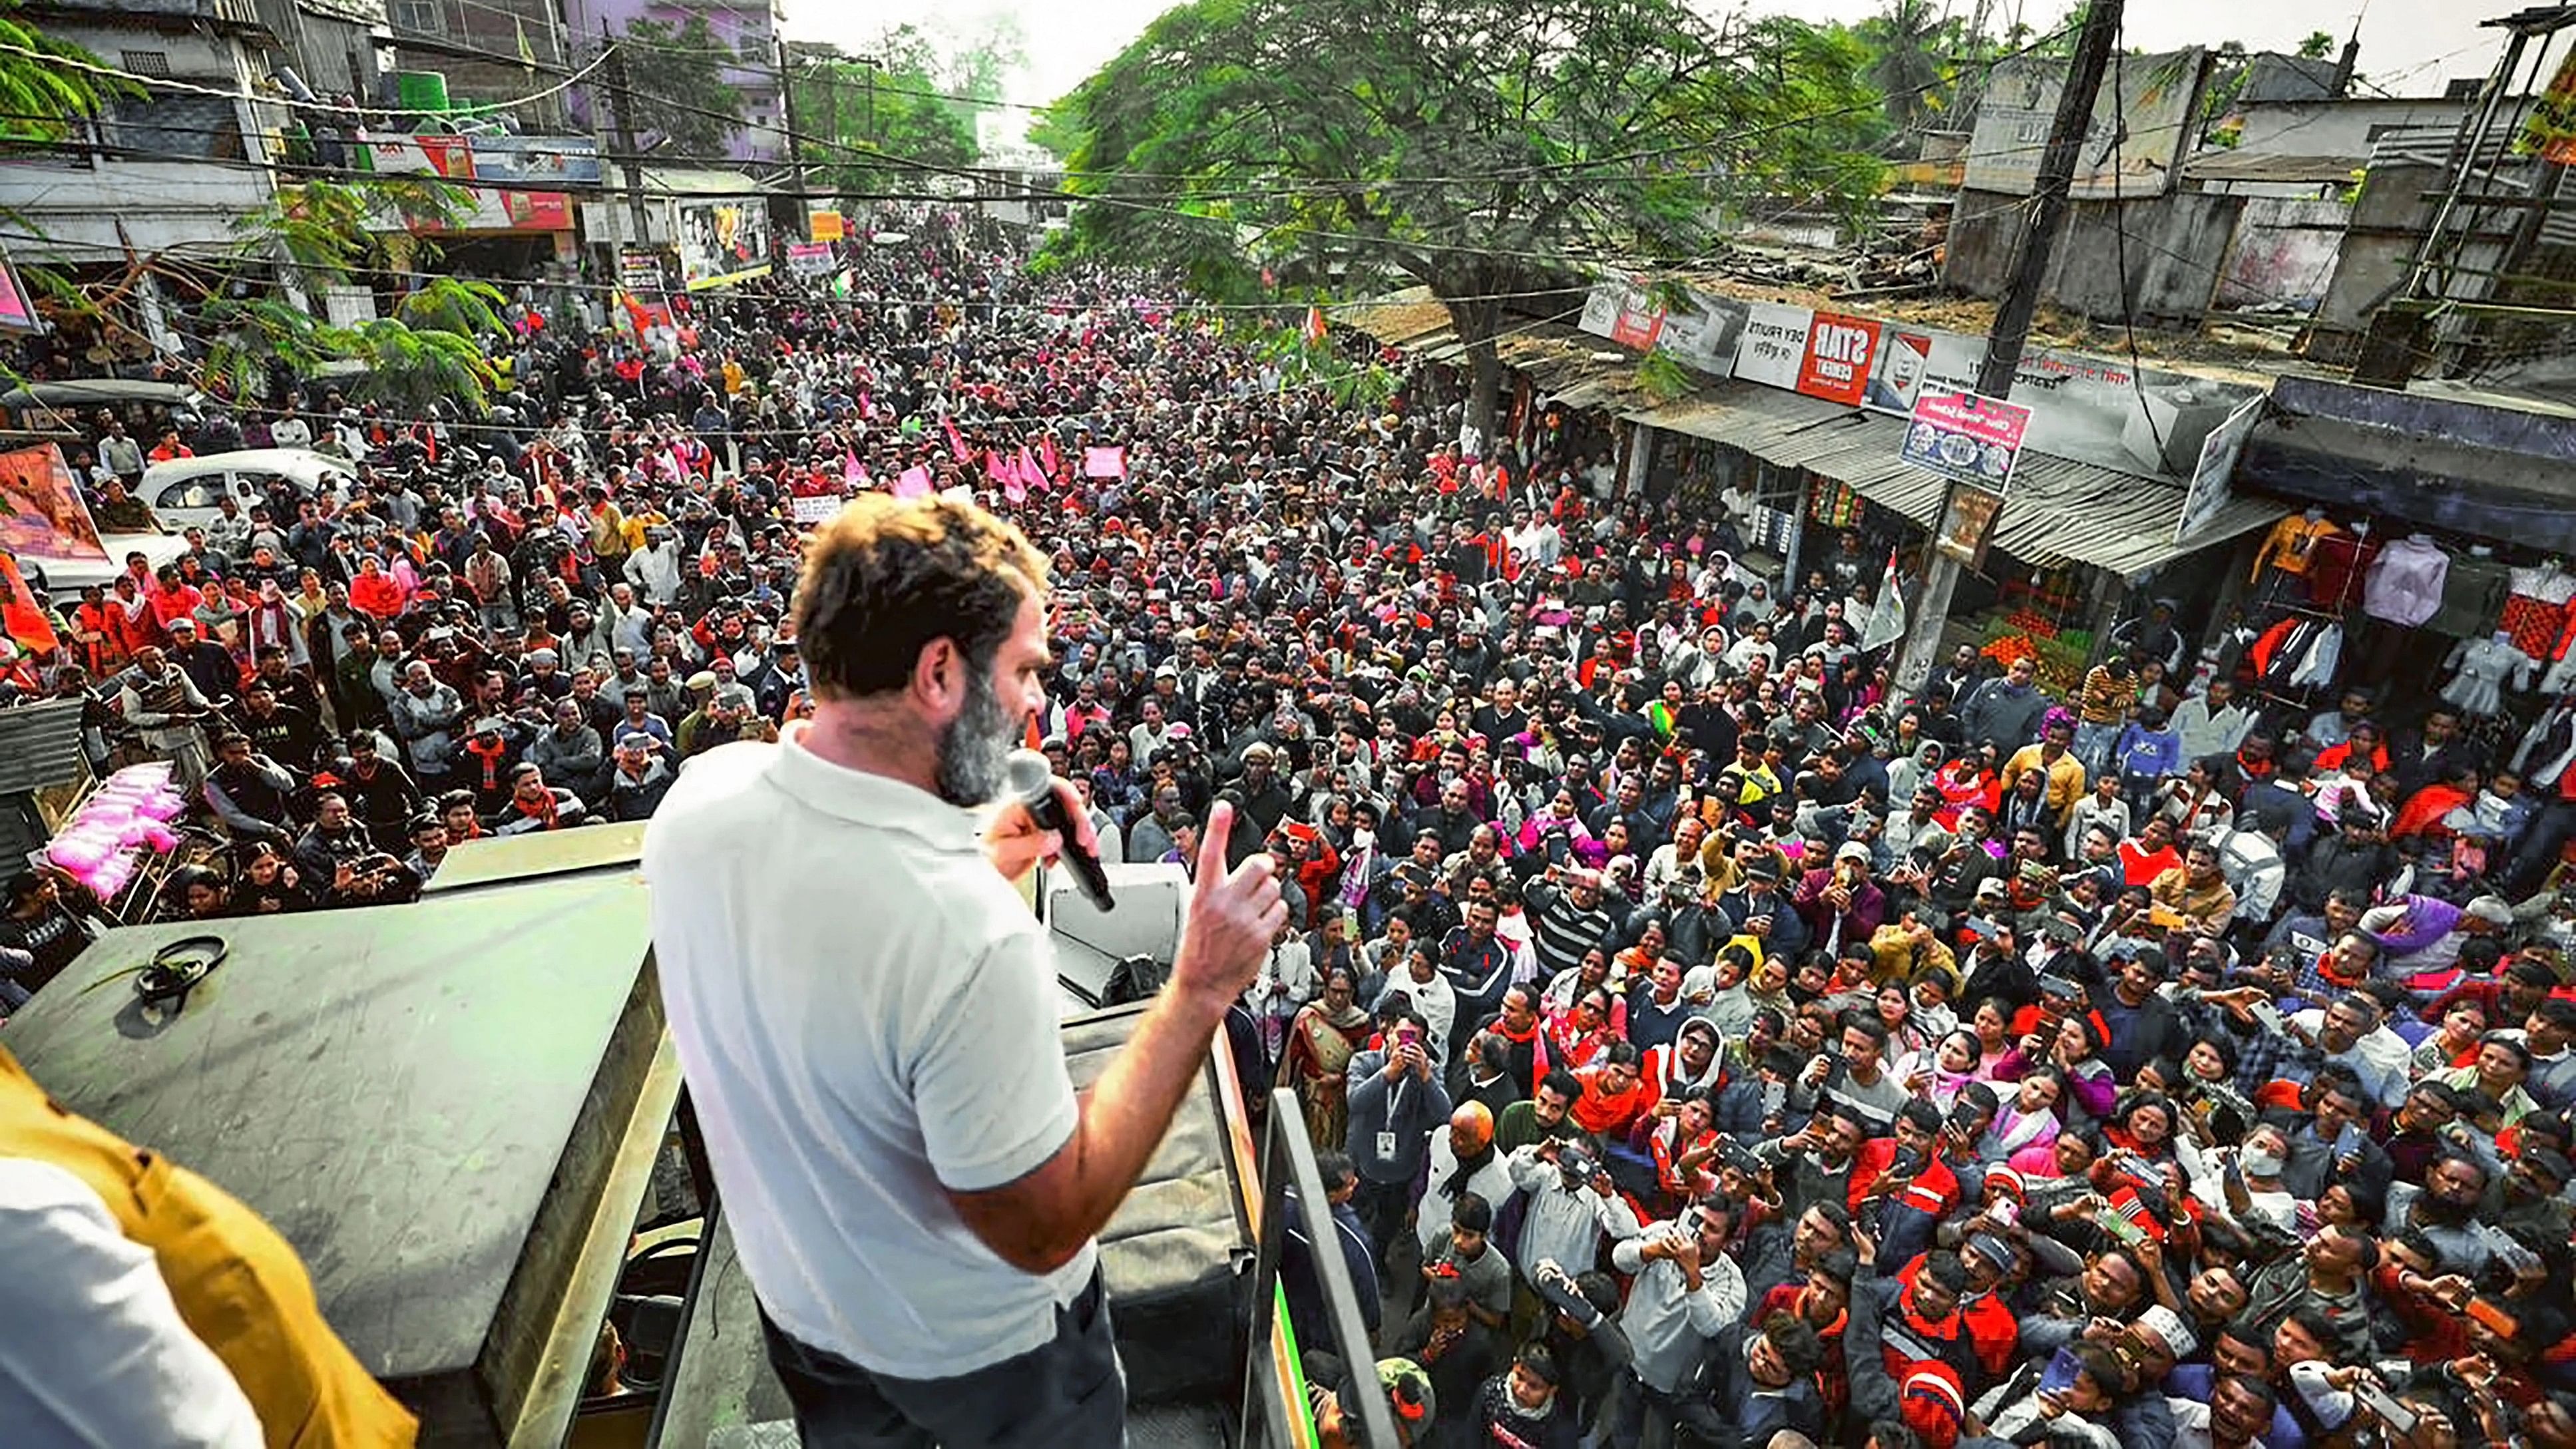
[(676, 77), (39, 100), (1477, 147), (905, 101)]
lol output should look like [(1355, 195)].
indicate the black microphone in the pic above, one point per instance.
[(1032, 783)]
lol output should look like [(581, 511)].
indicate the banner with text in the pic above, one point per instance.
[(2086, 409), (809, 259), (1702, 334), (1967, 438)]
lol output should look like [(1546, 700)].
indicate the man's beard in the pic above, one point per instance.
[(975, 747)]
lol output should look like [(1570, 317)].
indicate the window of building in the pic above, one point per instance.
[(183, 127), (145, 62)]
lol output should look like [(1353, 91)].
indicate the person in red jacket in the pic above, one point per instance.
[(1615, 1094), (374, 592)]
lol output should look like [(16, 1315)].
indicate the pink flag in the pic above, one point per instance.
[(1104, 462), (993, 468), (1047, 454), (853, 473), (915, 483), (956, 443), (862, 481), (1030, 473), (867, 406)]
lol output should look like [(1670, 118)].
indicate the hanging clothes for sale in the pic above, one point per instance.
[(2473, 595), (2297, 653), (2484, 665), (2404, 585), (2547, 748), (2226, 649), (2337, 563), (2561, 677), (2535, 614), (2292, 543)]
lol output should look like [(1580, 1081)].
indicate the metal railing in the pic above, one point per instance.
[(1276, 1412)]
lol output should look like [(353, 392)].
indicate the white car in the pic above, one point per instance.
[(182, 493)]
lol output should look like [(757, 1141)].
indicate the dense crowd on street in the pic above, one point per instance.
[(1702, 1041)]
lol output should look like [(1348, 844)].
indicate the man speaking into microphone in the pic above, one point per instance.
[(867, 1012)]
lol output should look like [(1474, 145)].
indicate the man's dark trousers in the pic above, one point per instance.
[(1065, 1394)]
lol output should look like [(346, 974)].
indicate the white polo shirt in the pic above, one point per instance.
[(866, 1011)]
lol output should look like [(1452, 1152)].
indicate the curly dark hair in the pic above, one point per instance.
[(886, 577)]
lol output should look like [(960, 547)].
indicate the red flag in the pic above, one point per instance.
[(23, 620), (915, 483), (1314, 324), (956, 443)]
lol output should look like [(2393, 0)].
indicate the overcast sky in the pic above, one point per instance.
[(2409, 46)]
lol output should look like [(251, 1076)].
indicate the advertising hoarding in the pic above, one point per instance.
[(722, 243)]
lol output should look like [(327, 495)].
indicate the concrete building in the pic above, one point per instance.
[(484, 51), (165, 172)]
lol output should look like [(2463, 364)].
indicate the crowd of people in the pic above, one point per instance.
[(1702, 1042)]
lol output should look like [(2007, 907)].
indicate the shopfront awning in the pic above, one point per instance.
[(2058, 510)]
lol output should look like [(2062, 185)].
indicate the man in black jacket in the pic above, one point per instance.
[(2142, 1021)]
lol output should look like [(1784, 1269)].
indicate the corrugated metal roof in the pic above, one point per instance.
[(2058, 509), (40, 746)]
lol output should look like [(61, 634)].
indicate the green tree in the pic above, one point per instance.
[(322, 234), (903, 102), (2317, 46), (40, 99), (1477, 147), (1913, 44), (862, 124), (679, 93)]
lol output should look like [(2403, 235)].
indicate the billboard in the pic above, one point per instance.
[(455, 159), (1840, 353), (721, 243), (1773, 349), (1702, 334), (810, 259), (537, 160), (41, 513), (2140, 123), (2087, 409), (2097, 410)]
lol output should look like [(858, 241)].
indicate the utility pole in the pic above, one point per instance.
[(2049, 204), (787, 115), (624, 127)]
